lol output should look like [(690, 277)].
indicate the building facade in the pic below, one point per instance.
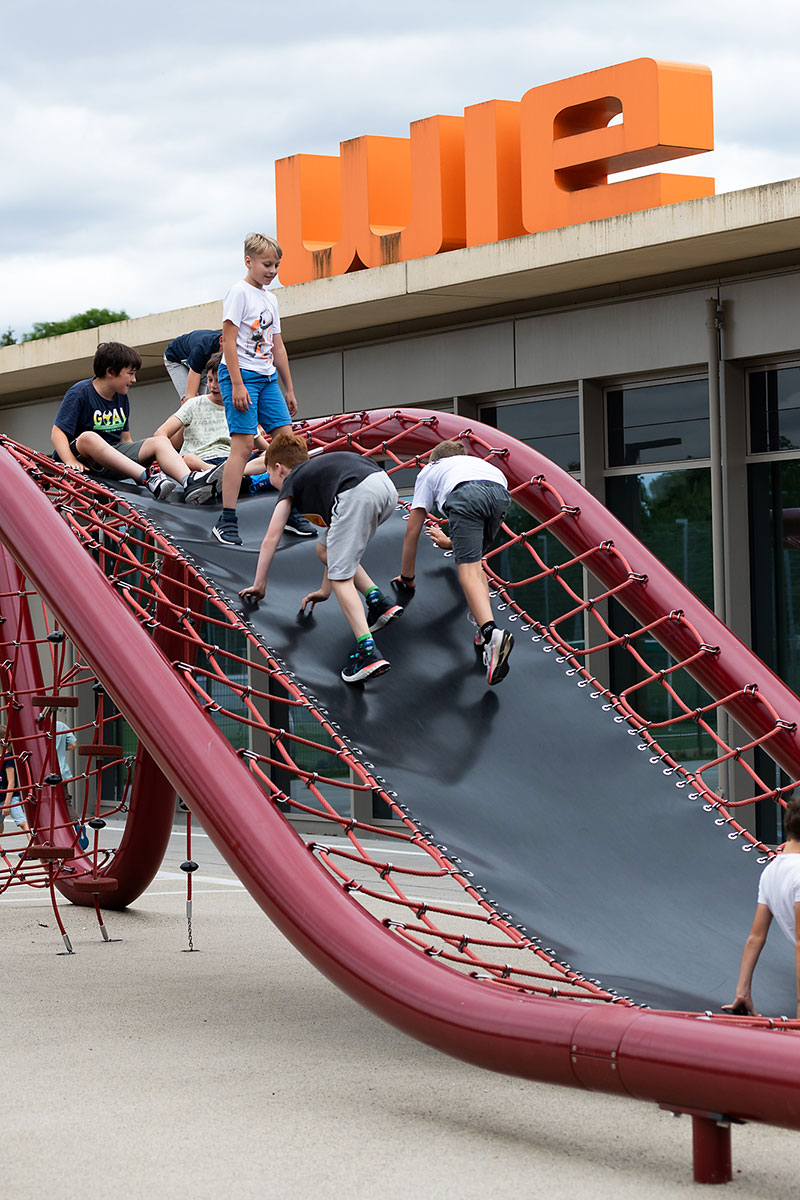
[(654, 355)]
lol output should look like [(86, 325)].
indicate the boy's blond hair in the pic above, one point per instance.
[(256, 244), (447, 450), (287, 449)]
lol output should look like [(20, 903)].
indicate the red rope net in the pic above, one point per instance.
[(283, 737)]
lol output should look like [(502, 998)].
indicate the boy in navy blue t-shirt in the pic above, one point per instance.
[(91, 432), (186, 358)]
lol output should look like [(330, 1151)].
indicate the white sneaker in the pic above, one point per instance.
[(495, 655), (160, 485)]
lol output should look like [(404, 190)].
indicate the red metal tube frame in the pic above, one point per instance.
[(678, 1062)]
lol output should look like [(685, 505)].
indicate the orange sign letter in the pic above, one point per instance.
[(569, 149)]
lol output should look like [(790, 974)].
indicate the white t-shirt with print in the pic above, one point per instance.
[(205, 429), (254, 311), (779, 889), (436, 481)]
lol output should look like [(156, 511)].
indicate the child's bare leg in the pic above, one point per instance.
[(195, 463), (351, 604), (475, 586), (241, 449), (362, 581), (256, 466), (167, 457), (91, 445)]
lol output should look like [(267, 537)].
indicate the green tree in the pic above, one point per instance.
[(7, 338), (85, 320)]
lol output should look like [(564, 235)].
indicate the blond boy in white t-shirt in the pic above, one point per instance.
[(254, 360), (199, 429)]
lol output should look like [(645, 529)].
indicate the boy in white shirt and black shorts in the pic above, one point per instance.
[(474, 497)]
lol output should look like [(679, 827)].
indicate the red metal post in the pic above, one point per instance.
[(711, 1150)]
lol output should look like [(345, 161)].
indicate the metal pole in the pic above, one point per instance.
[(714, 321), (711, 1150)]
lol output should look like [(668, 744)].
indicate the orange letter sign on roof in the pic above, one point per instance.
[(502, 170), (569, 149)]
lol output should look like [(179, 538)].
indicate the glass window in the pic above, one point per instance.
[(774, 496), (659, 423), (774, 410), (546, 600), (670, 513), (550, 426), (774, 492)]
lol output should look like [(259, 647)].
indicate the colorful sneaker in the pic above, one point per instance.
[(299, 525), (362, 664), (495, 655), (202, 486), (159, 484), (227, 532), (381, 611)]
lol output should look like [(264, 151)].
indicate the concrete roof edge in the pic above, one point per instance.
[(546, 263)]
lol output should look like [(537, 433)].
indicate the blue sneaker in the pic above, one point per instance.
[(227, 532)]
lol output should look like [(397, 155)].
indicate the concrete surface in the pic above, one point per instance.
[(134, 1069)]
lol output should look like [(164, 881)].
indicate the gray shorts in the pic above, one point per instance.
[(356, 515), (476, 510), (179, 374)]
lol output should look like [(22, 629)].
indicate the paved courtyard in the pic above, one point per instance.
[(135, 1069)]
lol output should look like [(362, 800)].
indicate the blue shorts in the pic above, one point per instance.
[(267, 405)]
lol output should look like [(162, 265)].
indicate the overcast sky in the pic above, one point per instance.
[(138, 141)]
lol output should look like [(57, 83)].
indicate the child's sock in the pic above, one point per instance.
[(374, 593), (229, 514), (487, 630), (143, 480), (186, 478), (366, 642)]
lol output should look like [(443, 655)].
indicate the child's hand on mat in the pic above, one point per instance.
[(313, 598), (408, 585), (253, 593), (438, 538)]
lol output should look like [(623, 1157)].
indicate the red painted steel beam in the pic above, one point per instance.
[(680, 1062), (661, 592)]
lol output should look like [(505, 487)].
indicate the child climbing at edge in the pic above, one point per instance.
[(254, 359), (348, 497), (778, 897), (473, 495)]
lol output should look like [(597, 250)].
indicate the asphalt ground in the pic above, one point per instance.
[(135, 1068)]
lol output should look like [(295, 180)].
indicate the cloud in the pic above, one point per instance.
[(139, 146)]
